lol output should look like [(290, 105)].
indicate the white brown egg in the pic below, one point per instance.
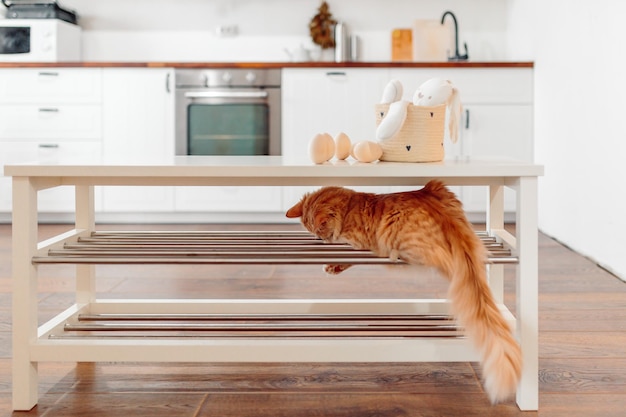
[(321, 148), (367, 151), (343, 146)]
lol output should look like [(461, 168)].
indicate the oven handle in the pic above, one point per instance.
[(226, 94)]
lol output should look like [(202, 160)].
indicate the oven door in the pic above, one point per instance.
[(226, 121)]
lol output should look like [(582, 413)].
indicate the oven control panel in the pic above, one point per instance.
[(228, 77)]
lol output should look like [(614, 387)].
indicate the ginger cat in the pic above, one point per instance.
[(425, 227)]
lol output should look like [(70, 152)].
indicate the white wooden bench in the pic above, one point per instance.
[(374, 330)]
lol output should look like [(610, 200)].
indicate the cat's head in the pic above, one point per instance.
[(321, 212)]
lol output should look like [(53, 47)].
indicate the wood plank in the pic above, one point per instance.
[(304, 378), (355, 404), (582, 344), (582, 376), (578, 405), (584, 320)]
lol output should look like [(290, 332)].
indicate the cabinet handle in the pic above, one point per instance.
[(336, 74), (48, 73), (466, 118), (49, 145), (167, 83), (48, 110)]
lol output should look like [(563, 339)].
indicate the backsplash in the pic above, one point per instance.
[(186, 30)]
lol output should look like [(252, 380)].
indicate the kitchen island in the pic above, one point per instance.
[(67, 338)]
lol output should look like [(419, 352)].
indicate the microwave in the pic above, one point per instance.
[(39, 40)]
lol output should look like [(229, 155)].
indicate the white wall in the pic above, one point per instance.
[(140, 30), (580, 120)]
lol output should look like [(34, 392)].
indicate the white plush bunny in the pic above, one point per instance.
[(437, 91)]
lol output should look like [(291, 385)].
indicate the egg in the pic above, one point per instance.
[(342, 146), (321, 148), (367, 151)]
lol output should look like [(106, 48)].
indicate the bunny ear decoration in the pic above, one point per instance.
[(393, 121), (392, 92), (455, 107)]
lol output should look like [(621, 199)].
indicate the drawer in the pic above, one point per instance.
[(228, 199), (54, 122), (476, 85), (58, 199), (41, 85)]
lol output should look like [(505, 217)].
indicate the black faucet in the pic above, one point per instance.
[(457, 56)]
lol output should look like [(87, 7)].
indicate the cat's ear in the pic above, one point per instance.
[(319, 221), (324, 225), (295, 211)]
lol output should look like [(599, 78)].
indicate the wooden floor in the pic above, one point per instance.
[(582, 347)]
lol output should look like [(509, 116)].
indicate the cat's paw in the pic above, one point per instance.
[(335, 269)]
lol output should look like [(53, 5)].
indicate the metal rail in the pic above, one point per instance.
[(102, 326), (230, 247)]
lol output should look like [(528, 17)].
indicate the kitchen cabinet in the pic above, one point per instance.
[(56, 200), (329, 100), (51, 122), (497, 120), (50, 85), (49, 114), (111, 112), (227, 200), (496, 131), (138, 119), (332, 100)]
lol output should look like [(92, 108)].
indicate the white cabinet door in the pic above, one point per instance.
[(332, 100), (329, 100), (476, 85), (497, 119), (228, 199), (501, 131), (138, 119), (54, 200)]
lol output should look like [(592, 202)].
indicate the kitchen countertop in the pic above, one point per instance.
[(317, 64)]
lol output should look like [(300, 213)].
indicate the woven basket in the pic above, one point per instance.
[(421, 137)]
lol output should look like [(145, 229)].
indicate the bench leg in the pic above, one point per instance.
[(527, 292), (85, 219), (24, 241)]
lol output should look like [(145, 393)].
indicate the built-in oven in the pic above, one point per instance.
[(228, 111)]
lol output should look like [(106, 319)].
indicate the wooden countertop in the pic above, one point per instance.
[(99, 64)]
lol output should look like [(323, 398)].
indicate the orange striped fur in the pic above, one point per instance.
[(426, 227)]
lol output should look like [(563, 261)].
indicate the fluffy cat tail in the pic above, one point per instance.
[(476, 310)]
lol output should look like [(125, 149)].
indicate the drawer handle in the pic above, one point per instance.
[(49, 145), (336, 74), (48, 73), (48, 110)]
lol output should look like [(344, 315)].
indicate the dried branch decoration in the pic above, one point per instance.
[(322, 27)]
